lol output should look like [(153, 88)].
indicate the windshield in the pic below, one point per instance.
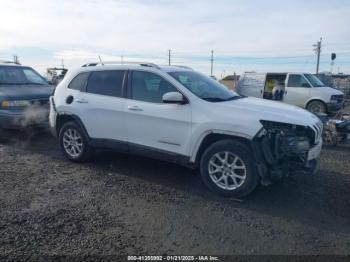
[(203, 86), (20, 76), (315, 82)]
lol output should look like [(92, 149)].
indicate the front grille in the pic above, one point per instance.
[(41, 102), (318, 129), (339, 98)]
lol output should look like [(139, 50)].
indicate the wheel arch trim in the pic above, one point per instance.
[(76, 119), (315, 99), (198, 143)]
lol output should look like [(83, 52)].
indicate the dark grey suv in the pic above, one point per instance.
[(24, 97)]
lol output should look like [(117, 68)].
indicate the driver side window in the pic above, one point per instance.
[(297, 81), (149, 87)]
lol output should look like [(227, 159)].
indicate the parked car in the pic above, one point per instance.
[(24, 97), (179, 115), (300, 89)]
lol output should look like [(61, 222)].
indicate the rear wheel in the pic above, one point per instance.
[(316, 107), (74, 143), (227, 168)]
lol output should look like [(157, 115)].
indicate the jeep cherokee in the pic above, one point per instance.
[(176, 114)]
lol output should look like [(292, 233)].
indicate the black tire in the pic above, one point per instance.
[(317, 106), (86, 151), (244, 154)]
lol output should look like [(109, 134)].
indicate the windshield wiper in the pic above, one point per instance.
[(234, 98), (213, 99), (218, 99)]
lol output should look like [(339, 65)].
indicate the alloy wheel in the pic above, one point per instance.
[(72, 142), (227, 170)]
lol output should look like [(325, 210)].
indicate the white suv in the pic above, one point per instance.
[(176, 114)]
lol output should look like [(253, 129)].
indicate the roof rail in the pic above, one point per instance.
[(182, 66), (121, 63), (9, 62)]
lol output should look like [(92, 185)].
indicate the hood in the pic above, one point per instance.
[(270, 110), (329, 90), (26, 92)]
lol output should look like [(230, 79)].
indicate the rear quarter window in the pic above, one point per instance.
[(79, 82), (108, 83)]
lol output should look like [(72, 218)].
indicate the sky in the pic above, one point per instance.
[(267, 35)]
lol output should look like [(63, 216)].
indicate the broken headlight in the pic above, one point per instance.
[(284, 139), (295, 145)]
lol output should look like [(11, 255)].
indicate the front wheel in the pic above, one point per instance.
[(316, 107), (227, 168), (74, 143)]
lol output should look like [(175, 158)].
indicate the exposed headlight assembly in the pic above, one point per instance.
[(284, 138), (337, 97), (296, 145)]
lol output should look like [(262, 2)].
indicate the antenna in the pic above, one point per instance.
[(99, 57), (211, 62)]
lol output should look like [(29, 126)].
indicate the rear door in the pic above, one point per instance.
[(297, 90), (102, 106), (152, 123)]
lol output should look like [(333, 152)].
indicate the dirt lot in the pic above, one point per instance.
[(120, 204)]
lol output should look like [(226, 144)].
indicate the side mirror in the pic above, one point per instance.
[(174, 98)]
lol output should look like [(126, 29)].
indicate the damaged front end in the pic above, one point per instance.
[(284, 149)]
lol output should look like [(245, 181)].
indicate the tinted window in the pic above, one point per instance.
[(297, 81), (149, 87), (79, 82), (107, 83)]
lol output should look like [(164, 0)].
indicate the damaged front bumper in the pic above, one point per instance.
[(21, 119), (283, 149)]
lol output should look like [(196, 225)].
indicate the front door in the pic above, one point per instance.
[(297, 90), (152, 123)]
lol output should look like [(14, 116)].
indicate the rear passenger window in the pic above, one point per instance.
[(79, 82), (108, 83)]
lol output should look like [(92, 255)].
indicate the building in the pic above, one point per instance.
[(230, 81)]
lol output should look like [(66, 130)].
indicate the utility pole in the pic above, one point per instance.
[(317, 49), (169, 57), (212, 62), (15, 59)]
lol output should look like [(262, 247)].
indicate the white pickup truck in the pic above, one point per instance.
[(299, 89)]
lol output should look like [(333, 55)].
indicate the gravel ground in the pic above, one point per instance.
[(120, 204)]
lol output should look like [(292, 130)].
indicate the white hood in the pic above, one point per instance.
[(271, 110), (328, 90)]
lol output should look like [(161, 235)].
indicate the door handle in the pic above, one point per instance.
[(135, 108), (82, 101)]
